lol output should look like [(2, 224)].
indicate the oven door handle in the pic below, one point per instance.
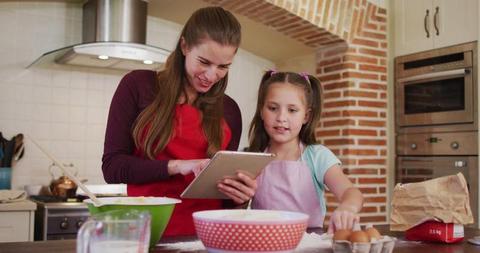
[(435, 75)]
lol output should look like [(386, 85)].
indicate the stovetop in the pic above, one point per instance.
[(54, 202)]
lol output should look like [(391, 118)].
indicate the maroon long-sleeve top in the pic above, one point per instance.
[(133, 94)]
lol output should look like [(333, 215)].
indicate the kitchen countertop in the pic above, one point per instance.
[(24, 205), (401, 246)]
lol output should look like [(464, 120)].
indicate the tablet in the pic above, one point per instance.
[(224, 163)]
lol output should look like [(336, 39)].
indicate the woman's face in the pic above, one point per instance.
[(284, 112), (206, 63)]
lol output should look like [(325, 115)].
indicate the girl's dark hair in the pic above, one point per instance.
[(212, 23), (258, 136)]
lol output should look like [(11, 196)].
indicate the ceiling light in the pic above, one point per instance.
[(148, 62), (103, 57)]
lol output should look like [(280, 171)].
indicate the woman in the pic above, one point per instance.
[(161, 126)]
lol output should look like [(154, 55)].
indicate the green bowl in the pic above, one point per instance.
[(160, 209)]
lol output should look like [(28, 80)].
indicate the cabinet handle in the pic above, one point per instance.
[(435, 20), (425, 20), (439, 74)]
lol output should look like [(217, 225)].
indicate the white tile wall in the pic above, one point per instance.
[(66, 108)]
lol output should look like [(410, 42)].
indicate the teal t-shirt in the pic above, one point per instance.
[(319, 159)]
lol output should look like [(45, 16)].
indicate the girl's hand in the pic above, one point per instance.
[(350, 198), (240, 188), (185, 167), (344, 217)]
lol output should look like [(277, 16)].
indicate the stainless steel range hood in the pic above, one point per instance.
[(114, 35)]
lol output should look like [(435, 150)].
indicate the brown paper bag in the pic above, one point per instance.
[(445, 199)]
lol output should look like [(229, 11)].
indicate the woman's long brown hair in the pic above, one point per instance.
[(259, 139), (213, 23)]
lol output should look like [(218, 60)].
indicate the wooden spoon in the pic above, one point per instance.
[(95, 200)]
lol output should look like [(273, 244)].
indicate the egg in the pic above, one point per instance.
[(342, 234), (373, 233), (358, 236)]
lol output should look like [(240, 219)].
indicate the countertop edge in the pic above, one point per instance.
[(24, 205)]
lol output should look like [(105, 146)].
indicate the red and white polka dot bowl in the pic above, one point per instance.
[(250, 230)]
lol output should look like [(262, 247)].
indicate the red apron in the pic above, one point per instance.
[(188, 142)]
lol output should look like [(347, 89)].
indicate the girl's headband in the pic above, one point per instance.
[(305, 75)]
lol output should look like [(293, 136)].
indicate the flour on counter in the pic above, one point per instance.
[(183, 246), (311, 242)]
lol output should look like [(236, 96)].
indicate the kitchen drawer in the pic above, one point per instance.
[(16, 226)]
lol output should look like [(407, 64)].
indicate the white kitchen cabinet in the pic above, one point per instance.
[(17, 221), (421, 25)]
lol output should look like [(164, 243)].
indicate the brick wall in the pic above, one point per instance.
[(350, 39)]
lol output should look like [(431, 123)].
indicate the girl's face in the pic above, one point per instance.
[(206, 63), (284, 112)]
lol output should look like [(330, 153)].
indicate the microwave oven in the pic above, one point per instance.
[(436, 90)]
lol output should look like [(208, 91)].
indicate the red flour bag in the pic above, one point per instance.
[(436, 231)]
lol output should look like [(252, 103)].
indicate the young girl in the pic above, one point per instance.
[(288, 110)]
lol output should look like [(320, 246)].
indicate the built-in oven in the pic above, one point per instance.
[(424, 156), (436, 90)]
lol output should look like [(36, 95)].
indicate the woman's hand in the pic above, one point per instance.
[(240, 188), (185, 167), (344, 217)]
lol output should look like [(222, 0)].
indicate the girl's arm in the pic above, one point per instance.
[(350, 199)]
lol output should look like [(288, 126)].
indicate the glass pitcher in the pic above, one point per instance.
[(119, 231)]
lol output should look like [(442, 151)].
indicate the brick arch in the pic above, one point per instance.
[(350, 40), (283, 18), (313, 23)]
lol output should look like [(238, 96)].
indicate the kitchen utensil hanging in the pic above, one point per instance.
[(11, 150)]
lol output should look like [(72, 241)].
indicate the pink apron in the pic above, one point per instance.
[(288, 185)]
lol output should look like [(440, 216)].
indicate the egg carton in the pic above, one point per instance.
[(384, 245)]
